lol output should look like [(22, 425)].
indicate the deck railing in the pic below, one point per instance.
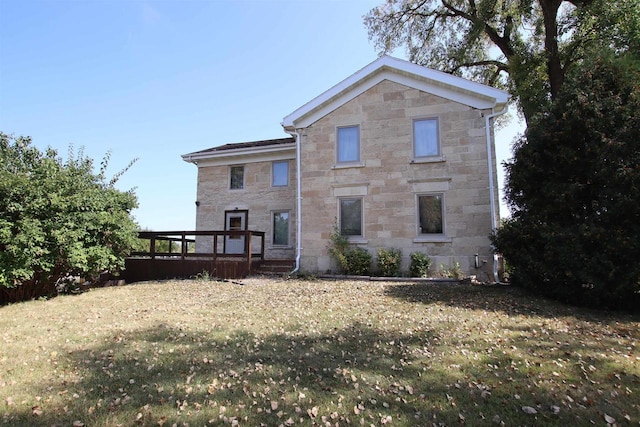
[(192, 252), (185, 241)]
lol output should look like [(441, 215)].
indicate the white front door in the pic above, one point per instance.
[(234, 220)]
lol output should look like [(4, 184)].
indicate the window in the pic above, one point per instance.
[(348, 144), (280, 229), (236, 178), (430, 214), (425, 138), (351, 217), (280, 174)]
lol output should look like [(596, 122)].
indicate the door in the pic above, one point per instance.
[(234, 220)]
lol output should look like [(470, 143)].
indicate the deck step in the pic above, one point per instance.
[(271, 266)]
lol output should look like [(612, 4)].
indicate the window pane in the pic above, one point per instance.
[(281, 228), (430, 214), (348, 140), (237, 178), (280, 174), (425, 137), (351, 217)]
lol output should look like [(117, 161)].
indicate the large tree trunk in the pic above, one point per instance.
[(554, 64)]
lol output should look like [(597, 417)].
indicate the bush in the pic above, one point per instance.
[(358, 261), (389, 262), (352, 261), (57, 219), (420, 264), (453, 272), (574, 190)]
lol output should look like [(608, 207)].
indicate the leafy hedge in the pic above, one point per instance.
[(57, 219)]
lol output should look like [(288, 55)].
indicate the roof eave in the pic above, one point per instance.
[(237, 152)]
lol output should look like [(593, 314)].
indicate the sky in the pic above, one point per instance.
[(151, 80)]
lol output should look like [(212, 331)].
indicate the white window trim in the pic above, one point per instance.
[(273, 175), (431, 237), (354, 163), (244, 170), (273, 217), (426, 159), (353, 239)]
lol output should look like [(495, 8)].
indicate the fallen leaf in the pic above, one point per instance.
[(313, 412), (78, 423), (609, 419), (36, 410), (529, 410)]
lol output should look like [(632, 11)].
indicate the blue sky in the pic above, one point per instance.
[(156, 79)]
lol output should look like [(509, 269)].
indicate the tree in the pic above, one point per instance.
[(57, 219), (574, 190), (524, 46)]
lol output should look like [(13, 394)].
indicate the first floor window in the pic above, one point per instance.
[(236, 178), (351, 217), (348, 144), (280, 228), (425, 138), (430, 214)]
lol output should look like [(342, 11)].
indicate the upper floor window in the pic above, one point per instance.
[(348, 145), (236, 177), (426, 138), (430, 214), (351, 217), (280, 174)]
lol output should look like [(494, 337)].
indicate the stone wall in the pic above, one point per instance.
[(258, 197), (389, 180)]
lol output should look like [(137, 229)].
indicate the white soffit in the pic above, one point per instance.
[(411, 75)]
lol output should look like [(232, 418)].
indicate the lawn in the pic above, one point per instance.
[(285, 352)]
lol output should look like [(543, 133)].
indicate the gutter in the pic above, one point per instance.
[(298, 137), (494, 219)]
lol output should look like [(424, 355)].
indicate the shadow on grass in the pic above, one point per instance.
[(165, 376), (507, 299)]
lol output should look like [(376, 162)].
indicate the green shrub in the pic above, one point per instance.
[(420, 264), (453, 272), (358, 261), (58, 218), (573, 187), (389, 262), (352, 261)]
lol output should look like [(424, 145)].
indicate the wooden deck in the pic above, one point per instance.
[(172, 254)]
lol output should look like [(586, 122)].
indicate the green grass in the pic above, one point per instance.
[(275, 352)]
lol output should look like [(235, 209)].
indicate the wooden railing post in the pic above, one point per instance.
[(152, 248)]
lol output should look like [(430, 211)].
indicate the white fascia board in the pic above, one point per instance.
[(238, 155), (253, 152), (412, 75)]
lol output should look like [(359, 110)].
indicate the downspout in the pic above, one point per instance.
[(299, 200), (492, 199)]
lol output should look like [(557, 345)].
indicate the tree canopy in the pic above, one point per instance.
[(524, 46), (574, 190), (57, 218)]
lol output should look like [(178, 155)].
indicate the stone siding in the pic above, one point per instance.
[(389, 180), (258, 197)]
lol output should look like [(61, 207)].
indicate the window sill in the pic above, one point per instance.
[(358, 240), (280, 247), (434, 159), (432, 239), (348, 165)]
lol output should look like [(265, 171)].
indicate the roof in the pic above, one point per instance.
[(241, 148), (412, 75)]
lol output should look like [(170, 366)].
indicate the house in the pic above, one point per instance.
[(396, 155)]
